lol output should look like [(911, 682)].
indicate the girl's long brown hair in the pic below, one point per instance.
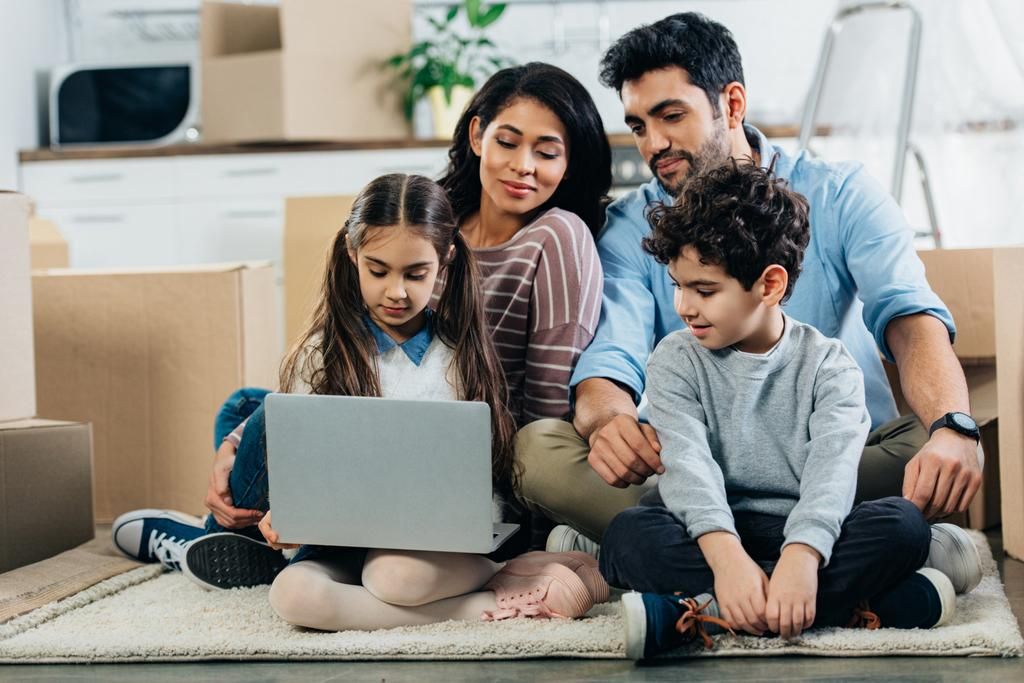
[(338, 335)]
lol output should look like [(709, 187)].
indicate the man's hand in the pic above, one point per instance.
[(624, 452), (793, 591), (273, 539), (944, 475), (218, 493), (740, 585)]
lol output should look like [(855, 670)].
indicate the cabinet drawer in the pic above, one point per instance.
[(117, 236), (347, 172), (100, 181), (238, 230), (234, 175)]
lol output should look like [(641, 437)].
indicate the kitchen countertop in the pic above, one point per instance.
[(186, 149)]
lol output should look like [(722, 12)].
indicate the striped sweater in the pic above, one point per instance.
[(542, 295)]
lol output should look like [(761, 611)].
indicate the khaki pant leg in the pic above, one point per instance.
[(888, 450), (557, 481)]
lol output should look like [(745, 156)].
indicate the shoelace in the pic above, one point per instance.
[(863, 617), (166, 549), (692, 622), (536, 610)]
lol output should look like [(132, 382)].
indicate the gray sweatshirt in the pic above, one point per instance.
[(779, 433)]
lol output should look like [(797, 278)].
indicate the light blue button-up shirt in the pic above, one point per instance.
[(859, 272)]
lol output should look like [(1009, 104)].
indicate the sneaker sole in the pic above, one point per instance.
[(226, 560), (559, 540), (562, 539), (947, 595), (136, 515), (966, 574), (635, 620)]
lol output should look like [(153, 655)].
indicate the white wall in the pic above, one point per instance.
[(32, 37)]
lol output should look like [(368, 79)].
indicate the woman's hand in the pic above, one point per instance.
[(272, 538), (218, 494)]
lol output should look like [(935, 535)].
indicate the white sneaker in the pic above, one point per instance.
[(564, 539), (954, 554)]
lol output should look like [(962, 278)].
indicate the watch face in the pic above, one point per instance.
[(964, 421)]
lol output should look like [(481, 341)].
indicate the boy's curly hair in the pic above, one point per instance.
[(738, 215)]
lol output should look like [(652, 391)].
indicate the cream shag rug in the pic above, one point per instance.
[(147, 616)]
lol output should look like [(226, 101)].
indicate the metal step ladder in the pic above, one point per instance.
[(904, 146)]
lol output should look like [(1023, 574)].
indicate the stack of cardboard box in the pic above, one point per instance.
[(981, 287), (45, 465), (148, 356)]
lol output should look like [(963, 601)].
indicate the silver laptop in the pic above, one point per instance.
[(382, 473)]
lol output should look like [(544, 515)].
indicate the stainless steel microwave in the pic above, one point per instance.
[(145, 104)]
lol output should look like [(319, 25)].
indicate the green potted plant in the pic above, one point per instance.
[(446, 67)]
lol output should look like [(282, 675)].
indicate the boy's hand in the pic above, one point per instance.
[(272, 538), (740, 584), (793, 591)]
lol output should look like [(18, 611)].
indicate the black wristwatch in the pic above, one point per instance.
[(958, 422)]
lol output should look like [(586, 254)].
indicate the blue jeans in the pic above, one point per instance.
[(248, 478), (881, 543)]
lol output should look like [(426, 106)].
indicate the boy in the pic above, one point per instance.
[(762, 421)]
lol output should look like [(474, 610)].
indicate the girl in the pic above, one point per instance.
[(528, 175), (373, 335)]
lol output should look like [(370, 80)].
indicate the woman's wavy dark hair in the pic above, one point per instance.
[(738, 215), (584, 189), (337, 332)]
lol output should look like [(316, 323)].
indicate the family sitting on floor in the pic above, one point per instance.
[(743, 298)]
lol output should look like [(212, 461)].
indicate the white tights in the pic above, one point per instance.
[(392, 588)]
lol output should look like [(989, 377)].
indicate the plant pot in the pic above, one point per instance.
[(445, 115)]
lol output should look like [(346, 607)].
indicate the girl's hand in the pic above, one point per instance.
[(218, 493), (272, 538), (793, 591)]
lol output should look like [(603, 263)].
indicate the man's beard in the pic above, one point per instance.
[(712, 152)]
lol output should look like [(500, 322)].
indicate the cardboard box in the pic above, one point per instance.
[(981, 287), (310, 226), (47, 246), (17, 376), (148, 356), (306, 70), (45, 490)]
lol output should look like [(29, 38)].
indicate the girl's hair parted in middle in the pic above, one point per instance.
[(338, 333)]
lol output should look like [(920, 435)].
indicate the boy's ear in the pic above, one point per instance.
[(774, 281)]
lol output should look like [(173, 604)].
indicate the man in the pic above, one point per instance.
[(681, 85)]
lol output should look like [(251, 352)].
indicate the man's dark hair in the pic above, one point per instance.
[(691, 41), (737, 215)]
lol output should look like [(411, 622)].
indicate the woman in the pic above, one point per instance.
[(528, 176)]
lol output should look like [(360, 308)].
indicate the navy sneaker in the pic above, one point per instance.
[(954, 554), (925, 599), (657, 623), (155, 535), (228, 560)]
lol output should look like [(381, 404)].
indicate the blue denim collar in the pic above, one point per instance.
[(415, 347)]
